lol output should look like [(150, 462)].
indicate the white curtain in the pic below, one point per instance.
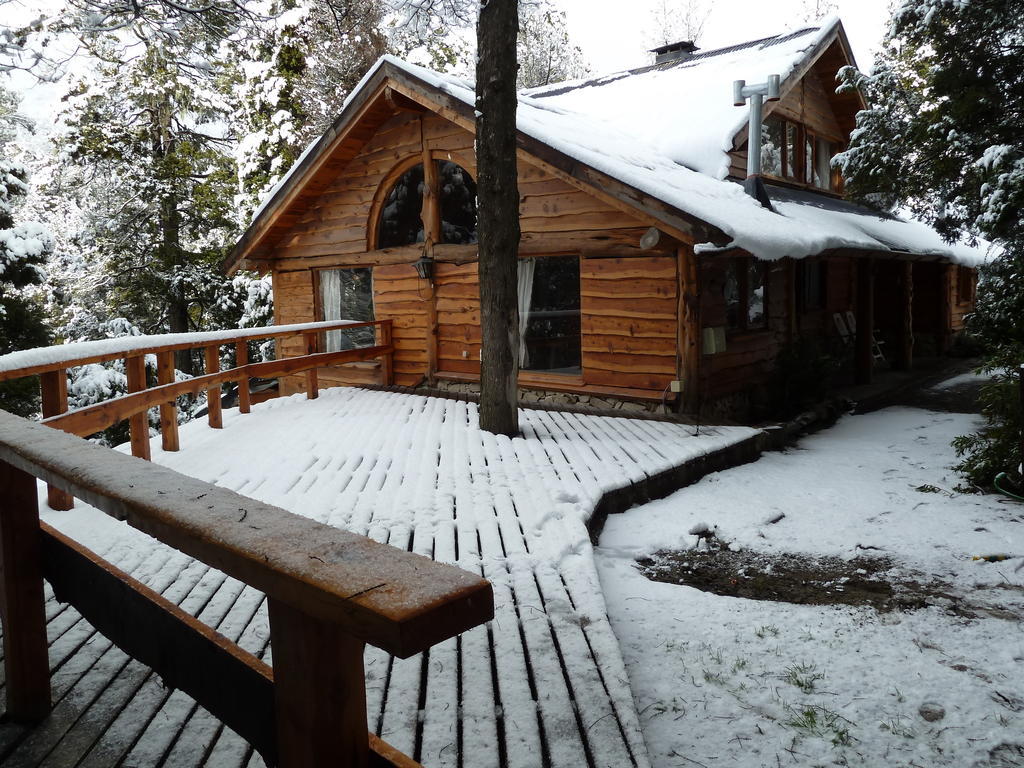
[(330, 300), (527, 268)]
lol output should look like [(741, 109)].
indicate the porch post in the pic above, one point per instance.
[(319, 691), (863, 357), (138, 424), (168, 411), (689, 329), (22, 604), (54, 385), (905, 352)]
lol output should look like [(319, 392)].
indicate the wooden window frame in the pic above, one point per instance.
[(318, 302), (794, 169), (802, 304), (965, 285), (529, 377), (430, 211), (742, 265)]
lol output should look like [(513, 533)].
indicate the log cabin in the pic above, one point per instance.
[(648, 271)]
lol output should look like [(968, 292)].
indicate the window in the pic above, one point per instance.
[(401, 218), (965, 284), (791, 151), (400, 222), (549, 314), (771, 147), (824, 151), (810, 285), (793, 155), (745, 295), (458, 203), (347, 294)]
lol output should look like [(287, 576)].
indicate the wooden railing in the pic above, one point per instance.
[(329, 593), (141, 397)]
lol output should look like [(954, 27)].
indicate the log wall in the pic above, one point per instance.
[(629, 301)]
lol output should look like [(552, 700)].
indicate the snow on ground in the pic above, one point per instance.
[(417, 473), (971, 377), (734, 682)]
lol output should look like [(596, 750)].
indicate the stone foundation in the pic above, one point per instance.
[(545, 397)]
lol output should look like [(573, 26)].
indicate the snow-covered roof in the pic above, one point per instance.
[(666, 130), (683, 109)]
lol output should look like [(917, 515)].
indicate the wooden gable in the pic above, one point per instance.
[(810, 98)]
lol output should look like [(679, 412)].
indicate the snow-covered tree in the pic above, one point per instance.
[(145, 143), (944, 137), (546, 53), (675, 20), (289, 80), (24, 248)]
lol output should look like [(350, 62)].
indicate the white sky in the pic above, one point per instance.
[(613, 34), (616, 35)]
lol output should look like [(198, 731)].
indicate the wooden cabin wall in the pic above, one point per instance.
[(629, 309), (629, 303), (747, 360), (963, 285), (628, 322), (458, 318)]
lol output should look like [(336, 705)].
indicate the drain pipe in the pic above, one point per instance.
[(757, 94)]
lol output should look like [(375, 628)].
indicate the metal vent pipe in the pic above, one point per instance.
[(757, 94)]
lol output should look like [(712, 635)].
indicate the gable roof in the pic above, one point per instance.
[(622, 136), (683, 109)]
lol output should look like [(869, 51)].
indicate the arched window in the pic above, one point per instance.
[(458, 203), (400, 222), (401, 219)]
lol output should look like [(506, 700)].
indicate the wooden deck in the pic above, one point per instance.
[(543, 684)]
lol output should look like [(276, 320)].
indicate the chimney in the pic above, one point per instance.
[(758, 94), (680, 51)]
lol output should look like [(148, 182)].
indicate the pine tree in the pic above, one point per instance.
[(145, 143), (24, 248), (546, 53), (944, 137)]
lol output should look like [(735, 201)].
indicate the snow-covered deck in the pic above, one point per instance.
[(543, 684)]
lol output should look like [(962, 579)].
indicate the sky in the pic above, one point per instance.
[(613, 39), (610, 37)]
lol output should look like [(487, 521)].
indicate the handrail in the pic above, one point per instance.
[(329, 590), (141, 397), (132, 346)]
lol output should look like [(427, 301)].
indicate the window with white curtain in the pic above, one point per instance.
[(549, 314), (347, 294)]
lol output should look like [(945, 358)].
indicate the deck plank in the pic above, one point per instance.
[(542, 684)]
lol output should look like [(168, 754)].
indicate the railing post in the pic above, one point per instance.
[(312, 385), (168, 411), (54, 386), (241, 359), (388, 358), (213, 407), (21, 598), (138, 425), (319, 691)]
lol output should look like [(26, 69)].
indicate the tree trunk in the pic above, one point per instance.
[(171, 255), (498, 217)]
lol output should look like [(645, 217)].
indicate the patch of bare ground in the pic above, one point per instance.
[(800, 579)]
